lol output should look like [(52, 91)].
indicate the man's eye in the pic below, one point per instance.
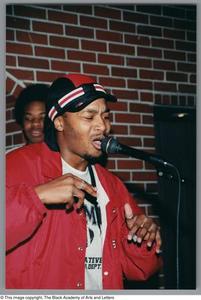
[(106, 117), (88, 118), (28, 119)]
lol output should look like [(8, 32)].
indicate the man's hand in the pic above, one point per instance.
[(142, 228), (65, 189)]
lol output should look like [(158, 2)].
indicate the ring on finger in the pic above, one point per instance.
[(82, 185), (130, 218)]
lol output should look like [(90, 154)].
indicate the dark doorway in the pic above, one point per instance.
[(175, 131)]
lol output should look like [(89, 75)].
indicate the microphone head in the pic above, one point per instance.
[(109, 145)]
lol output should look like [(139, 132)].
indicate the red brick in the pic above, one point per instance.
[(126, 94), (150, 9), (175, 76), (164, 65), (147, 119), (8, 140), (191, 101), (185, 88), (19, 48), (184, 67), (47, 27), (145, 130), (110, 59), (124, 72), (150, 52), (32, 38), (83, 9), (135, 17), (29, 12), (50, 52), (62, 17), (12, 126), (158, 99), (138, 84), (33, 63), (191, 36), (109, 36), (161, 21), (184, 25), (122, 26), (121, 49), (174, 55), (106, 12), (154, 75), (110, 164), (112, 82), (94, 46), (129, 164), (146, 97), (124, 176), (10, 35), (127, 118), (8, 115), (130, 141), (48, 77), (65, 66), (18, 138), (81, 56), (162, 43), (138, 62), (93, 22), (14, 22), (137, 40), (149, 30), (119, 129), (186, 46), (166, 87), (173, 12), (79, 31), (10, 99), (141, 108), (166, 99), (10, 60), (117, 106), (64, 42), (174, 34), (145, 176), (22, 74), (193, 78), (96, 69), (149, 142)]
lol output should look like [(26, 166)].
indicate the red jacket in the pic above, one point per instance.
[(46, 247)]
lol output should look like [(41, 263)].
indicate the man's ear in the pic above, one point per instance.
[(58, 123)]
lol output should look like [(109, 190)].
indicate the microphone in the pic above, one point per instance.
[(112, 146)]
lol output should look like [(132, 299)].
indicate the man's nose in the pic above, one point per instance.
[(36, 122)]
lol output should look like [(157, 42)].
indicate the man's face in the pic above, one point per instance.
[(33, 122), (83, 131)]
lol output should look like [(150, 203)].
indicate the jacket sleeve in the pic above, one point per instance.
[(24, 210), (138, 262), (24, 213)]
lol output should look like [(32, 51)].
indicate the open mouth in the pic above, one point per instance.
[(36, 133), (97, 142)]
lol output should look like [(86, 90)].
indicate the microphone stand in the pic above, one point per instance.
[(170, 176)]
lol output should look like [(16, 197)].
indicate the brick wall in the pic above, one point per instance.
[(144, 54)]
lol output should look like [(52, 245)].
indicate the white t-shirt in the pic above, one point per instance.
[(95, 232)]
